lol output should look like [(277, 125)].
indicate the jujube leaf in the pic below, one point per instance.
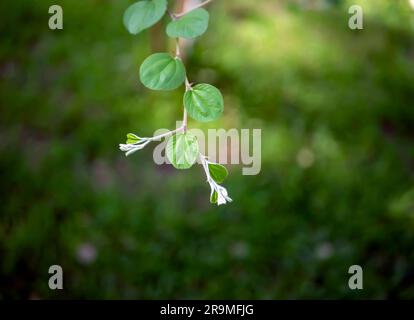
[(217, 172), (182, 150), (161, 71), (214, 197), (204, 102), (144, 14), (191, 25), (132, 138)]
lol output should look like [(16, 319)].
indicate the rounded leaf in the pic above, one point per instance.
[(182, 150), (144, 14), (161, 71), (214, 197), (204, 102), (132, 138), (191, 25), (217, 172)]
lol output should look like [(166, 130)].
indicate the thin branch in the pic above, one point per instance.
[(204, 165), (185, 120), (179, 15), (187, 84), (167, 134), (172, 15), (187, 88), (177, 48)]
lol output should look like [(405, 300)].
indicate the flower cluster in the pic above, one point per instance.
[(133, 144), (218, 193)]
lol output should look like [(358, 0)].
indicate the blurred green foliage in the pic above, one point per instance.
[(336, 187)]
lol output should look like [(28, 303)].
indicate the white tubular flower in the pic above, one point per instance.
[(133, 144), (218, 193), (131, 148)]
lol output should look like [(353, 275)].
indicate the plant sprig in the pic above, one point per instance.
[(162, 71)]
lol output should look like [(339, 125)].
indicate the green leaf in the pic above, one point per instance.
[(144, 14), (132, 138), (182, 150), (214, 197), (204, 102), (217, 172), (191, 25), (161, 71)]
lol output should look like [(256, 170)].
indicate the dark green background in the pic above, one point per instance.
[(127, 228)]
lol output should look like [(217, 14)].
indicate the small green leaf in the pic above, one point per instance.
[(191, 25), (144, 14), (182, 150), (214, 197), (161, 71), (217, 172), (132, 138), (204, 102)]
